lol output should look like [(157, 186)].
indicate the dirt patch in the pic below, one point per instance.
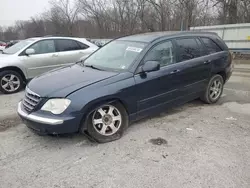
[(238, 108), (158, 141), (8, 123)]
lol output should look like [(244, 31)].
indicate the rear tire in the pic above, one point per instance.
[(107, 123), (10, 82), (213, 90)]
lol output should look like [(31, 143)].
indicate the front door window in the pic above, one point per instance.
[(163, 53), (44, 47)]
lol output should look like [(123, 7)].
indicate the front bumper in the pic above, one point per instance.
[(49, 125), (37, 119)]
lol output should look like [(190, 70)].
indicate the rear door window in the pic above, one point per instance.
[(67, 45), (188, 48), (211, 46)]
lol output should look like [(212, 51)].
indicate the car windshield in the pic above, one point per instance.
[(117, 55), (18, 46)]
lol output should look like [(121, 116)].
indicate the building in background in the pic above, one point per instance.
[(236, 36)]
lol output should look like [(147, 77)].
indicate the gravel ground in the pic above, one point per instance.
[(195, 145), (8, 104)]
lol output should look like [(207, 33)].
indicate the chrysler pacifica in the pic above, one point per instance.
[(128, 79)]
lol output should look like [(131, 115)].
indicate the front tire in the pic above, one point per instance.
[(10, 82), (107, 123), (214, 90)]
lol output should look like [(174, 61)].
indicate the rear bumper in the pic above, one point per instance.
[(49, 125), (229, 72)]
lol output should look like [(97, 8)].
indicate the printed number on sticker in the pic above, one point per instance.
[(134, 49)]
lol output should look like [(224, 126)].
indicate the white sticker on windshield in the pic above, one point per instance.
[(134, 49)]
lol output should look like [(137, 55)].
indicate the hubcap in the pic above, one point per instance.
[(10, 82), (215, 89), (107, 120)]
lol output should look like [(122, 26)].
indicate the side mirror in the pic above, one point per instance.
[(151, 66), (29, 51)]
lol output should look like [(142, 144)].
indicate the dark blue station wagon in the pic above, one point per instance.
[(127, 79)]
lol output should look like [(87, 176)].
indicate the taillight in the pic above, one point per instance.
[(2, 44)]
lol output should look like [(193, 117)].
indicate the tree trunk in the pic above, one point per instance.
[(232, 12)]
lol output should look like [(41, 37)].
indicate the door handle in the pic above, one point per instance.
[(175, 71), (208, 61), (54, 55)]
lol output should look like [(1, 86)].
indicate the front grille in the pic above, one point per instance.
[(31, 100)]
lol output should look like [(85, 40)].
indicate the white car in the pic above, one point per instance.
[(35, 56)]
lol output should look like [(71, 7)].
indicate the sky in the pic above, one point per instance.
[(13, 10)]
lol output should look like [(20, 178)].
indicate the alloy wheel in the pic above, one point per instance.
[(10, 83), (215, 89), (107, 120)]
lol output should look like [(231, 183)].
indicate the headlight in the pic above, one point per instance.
[(56, 106)]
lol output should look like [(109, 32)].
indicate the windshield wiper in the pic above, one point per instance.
[(93, 67), (79, 62)]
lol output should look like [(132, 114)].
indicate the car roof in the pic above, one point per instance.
[(54, 37), (84, 40), (34, 38), (152, 36)]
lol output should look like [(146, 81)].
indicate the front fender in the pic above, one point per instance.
[(87, 99), (12, 65)]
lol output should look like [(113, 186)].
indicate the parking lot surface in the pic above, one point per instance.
[(195, 145)]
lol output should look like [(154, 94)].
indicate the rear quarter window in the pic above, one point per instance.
[(82, 46), (210, 45)]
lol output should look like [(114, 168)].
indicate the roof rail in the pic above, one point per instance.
[(48, 36)]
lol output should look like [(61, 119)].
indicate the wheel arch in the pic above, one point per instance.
[(90, 107), (13, 68), (223, 74)]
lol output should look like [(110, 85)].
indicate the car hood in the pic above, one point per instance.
[(6, 58), (62, 82)]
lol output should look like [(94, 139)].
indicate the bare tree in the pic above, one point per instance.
[(125, 15), (142, 6), (244, 10), (95, 10), (187, 8), (228, 10), (10, 33), (67, 12), (1, 33), (112, 18), (162, 10)]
